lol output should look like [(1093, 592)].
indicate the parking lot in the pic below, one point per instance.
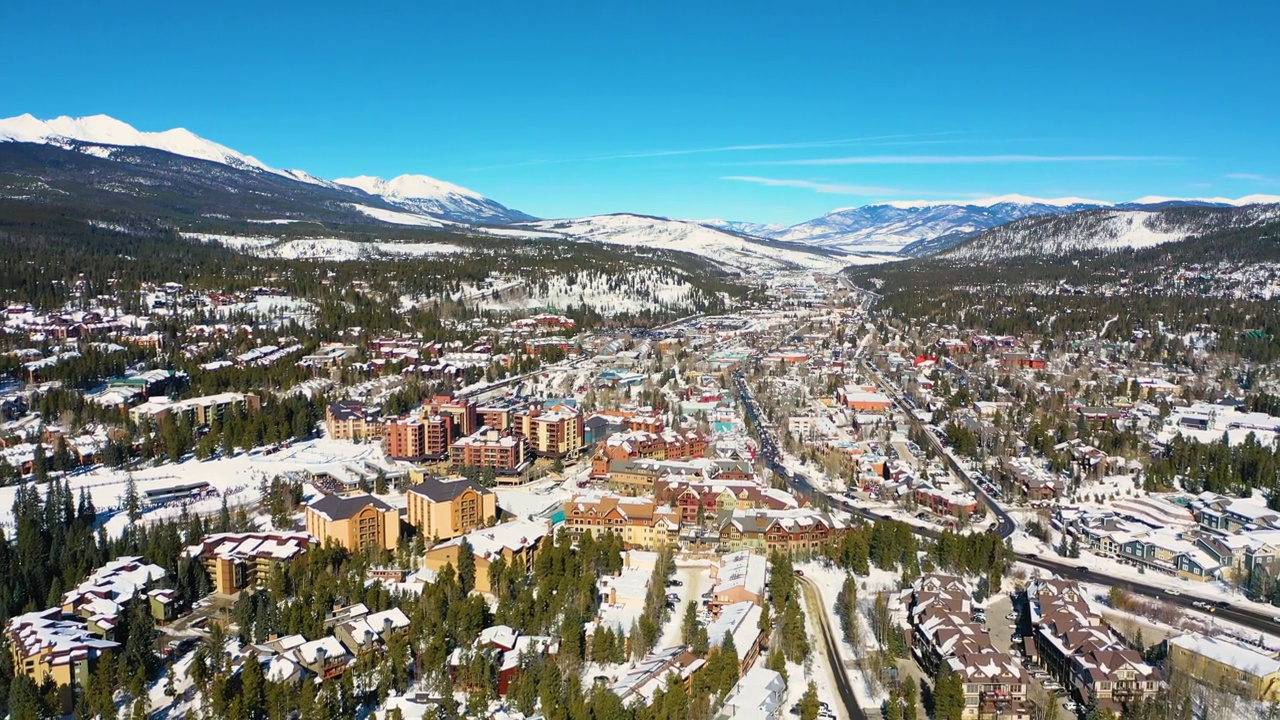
[(1042, 689)]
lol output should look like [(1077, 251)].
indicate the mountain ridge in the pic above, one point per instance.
[(99, 135)]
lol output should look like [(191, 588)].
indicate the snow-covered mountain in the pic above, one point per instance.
[(422, 194), (102, 136), (890, 227), (917, 228), (1105, 230), (732, 251), (97, 134), (745, 228)]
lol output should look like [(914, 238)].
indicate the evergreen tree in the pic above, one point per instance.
[(466, 567)]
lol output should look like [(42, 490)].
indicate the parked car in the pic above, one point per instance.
[(674, 582), (1011, 616), (1175, 592)]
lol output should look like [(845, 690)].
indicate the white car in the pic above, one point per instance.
[(1175, 592)]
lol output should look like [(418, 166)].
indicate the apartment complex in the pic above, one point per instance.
[(640, 522), (515, 542), (1079, 650), (48, 646), (356, 522), (801, 532), (739, 577), (236, 561), (1225, 665), (427, 432), (103, 596), (446, 508), (944, 636), (351, 420), (507, 454), (197, 411), (554, 433)]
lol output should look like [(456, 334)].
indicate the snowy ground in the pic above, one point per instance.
[(238, 478), (640, 289), (829, 581), (324, 248), (543, 497)]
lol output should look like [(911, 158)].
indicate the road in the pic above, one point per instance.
[(1248, 618), (831, 648), (800, 485), (1004, 524)]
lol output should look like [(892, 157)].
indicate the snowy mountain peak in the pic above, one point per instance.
[(100, 134), (429, 196), (66, 131), (408, 187)]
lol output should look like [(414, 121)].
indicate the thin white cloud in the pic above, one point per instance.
[(822, 187), (871, 139), (963, 159), (1255, 177)]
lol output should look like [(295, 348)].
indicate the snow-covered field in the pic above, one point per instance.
[(324, 248), (639, 290), (237, 478), (727, 249)]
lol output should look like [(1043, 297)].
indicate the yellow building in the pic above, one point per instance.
[(640, 522), (443, 509), (1224, 665), (356, 522), (516, 542), (45, 646)]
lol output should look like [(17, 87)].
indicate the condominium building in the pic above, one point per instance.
[(945, 636), (488, 448), (443, 508), (1220, 663), (639, 522), (48, 646), (551, 433), (351, 420), (516, 543), (197, 411), (356, 522), (236, 561), (800, 532), (1078, 649)]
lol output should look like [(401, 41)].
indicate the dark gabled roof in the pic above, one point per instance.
[(346, 410), (337, 507), (439, 490)]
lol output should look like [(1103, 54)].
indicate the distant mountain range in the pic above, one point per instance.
[(210, 192), (102, 162), (919, 228)]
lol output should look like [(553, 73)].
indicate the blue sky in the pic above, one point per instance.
[(771, 112)]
